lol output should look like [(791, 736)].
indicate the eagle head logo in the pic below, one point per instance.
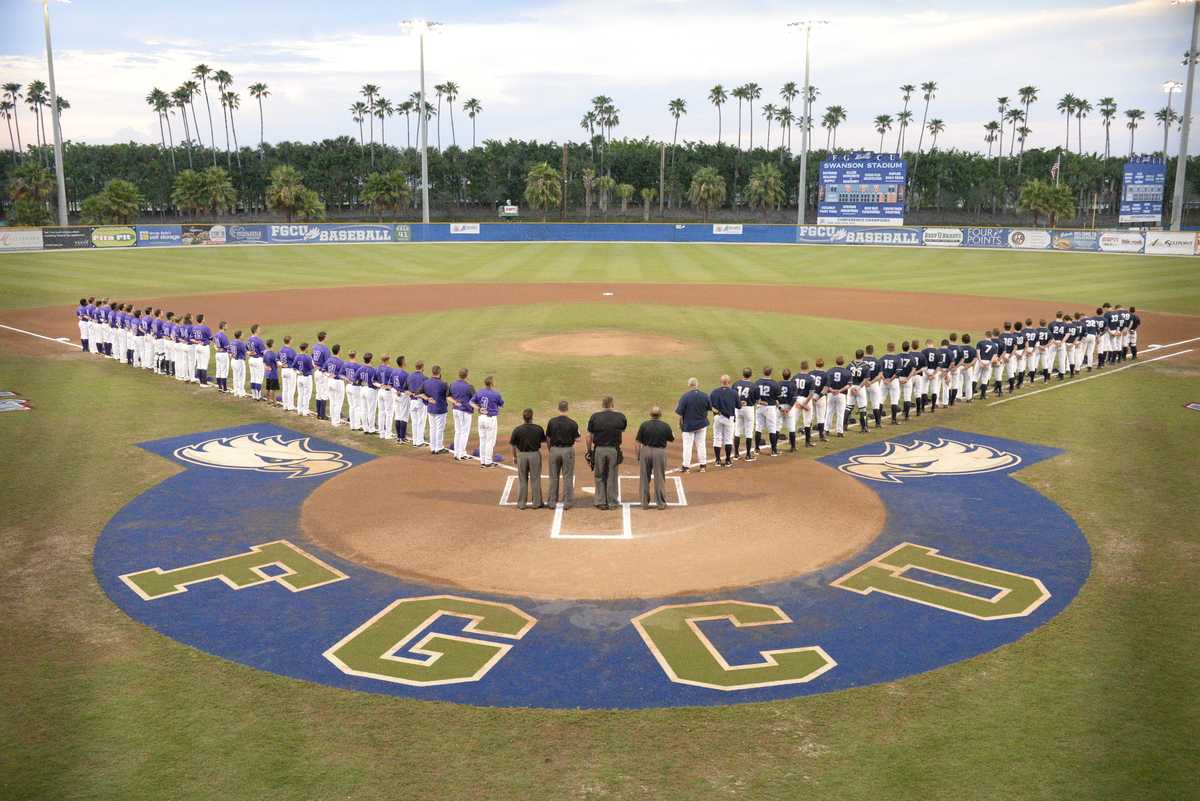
[(920, 459), (295, 458)]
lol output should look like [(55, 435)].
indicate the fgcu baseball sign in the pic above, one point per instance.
[(940, 583)]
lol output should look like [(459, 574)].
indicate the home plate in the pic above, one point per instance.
[(607, 294)]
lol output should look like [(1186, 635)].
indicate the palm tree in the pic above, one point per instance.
[(717, 96), (202, 71), (677, 108), (1002, 110), (153, 102), (1082, 109), (12, 92), (1023, 133), (452, 90), (588, 123), (1015, 117), (6, 111), (929, 91), (837, 115), (788, 92), (383, 110), (1108, 112), (1135, 116), (473, 108), (903, 118), (161, 103), (258, 91), (1165, 116), (786, 117), (439, 89), (1066, 106), (232, 102), (589, 184), (740, 94), (827, 123), (647, 195), (765, 188), (883, 124), (192, 89), (223, 80), (625, 193), (179, 99), (768, 112), (543, 188), (358, 113), (1028, 96), (935, 127), (407, 108), (369, 90), (707, 191), (36, 98), (753, 92), (992, 128)]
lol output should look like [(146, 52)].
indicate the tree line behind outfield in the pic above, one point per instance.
[(615, 181)]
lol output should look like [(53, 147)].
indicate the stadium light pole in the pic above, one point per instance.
[(1170, 87), (58, 152), (420, 27), (1189, 58), (806, 117)]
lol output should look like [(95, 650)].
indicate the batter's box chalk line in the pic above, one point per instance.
[(626, 532)]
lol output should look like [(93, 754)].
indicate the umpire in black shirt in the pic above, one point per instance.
[(652, 438), (526, 441), (562, 433), (604, 449)]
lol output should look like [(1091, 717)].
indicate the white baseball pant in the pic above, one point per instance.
[(287, 388), (462, 433), (304, 385), (836, 412), (744, 422), (418, 414), (722, 431), (239, 377), (337, 394), (385, 412), (694, 441), (437, 431), (487, 438)]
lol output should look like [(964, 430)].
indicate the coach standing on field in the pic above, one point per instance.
[(652, 438), (693, 408), (604, 452), (526, 441), (562, 433)]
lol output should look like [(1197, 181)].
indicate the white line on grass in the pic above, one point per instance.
[(59, 340), (1173, 344), (1088, 378)]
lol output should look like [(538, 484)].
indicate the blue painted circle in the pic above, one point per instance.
[(587, 654)]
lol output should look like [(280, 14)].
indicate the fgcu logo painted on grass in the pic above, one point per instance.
[(241, 581)]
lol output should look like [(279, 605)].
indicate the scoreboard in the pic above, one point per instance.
[(1143, 182), (862, 189)]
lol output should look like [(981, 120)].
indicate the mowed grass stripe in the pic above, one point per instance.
[(1159, 284)]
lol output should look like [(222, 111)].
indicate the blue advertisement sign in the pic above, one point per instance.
[(857, 235), (985, 238), (247, 234), (1142, 187), (1076, 240), (158, 235), (862, 189), (330, 232)]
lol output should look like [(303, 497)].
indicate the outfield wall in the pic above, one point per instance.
[(1155, 243)]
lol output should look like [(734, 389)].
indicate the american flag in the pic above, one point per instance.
[(1056, 167)]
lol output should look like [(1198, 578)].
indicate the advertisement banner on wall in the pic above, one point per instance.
[(1076, 240), (984, 238), (247, 234), (727, 229), (1167, 243), (942, 237), (153, 236), (20, 238), (464, 228), (1122, 242), (401, 232), (202, 234), (1143, 183), (820, 234), (1028, 238), (862, 189), (70, 237), (114, 236), (858, 235), (330, 232)]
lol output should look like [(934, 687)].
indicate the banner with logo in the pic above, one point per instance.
[(464, 228), (154, 236), (247, 234), (401, 232), (1076, 240), (942, 237), (820, 234), (1167, 243), (1122, 242), (114, 236), (881, 236), (202, 234), (862, 189), (284, 233), (1028, 238), (20, 238), (727, 229), (69, 237), (1142, 185), (985, 238)]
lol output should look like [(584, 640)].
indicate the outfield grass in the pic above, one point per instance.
[(1097, 704), (1161, 284)]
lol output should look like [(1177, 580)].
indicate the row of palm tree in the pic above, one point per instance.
[(376, 106), (37, 99)]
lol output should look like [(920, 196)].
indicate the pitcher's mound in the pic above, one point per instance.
[(441, 523), (604, 343)]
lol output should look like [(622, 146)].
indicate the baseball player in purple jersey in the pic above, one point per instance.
[(221, 343), (147, 326), (203, 336), (416, 406), (368, 394), (461, 393), (435, 392), (302, 363), (237, 363), (287, 374), (488, 401), (335, 386), (185, 354), (350, 379), (254, 362), (385, 402), (400, 389), (270, 371), (81, 314), (320, 352)]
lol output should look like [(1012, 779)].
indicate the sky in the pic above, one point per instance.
[(534, 66)]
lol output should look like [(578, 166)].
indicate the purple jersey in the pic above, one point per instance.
[(222, 342), (203, 334), (461, 393), (367, 377), (436, 390), (333, 366), (383, 375), (416, 379), (489, 402), (320, 352), (287, 357), (399, 379), (271, 363), (303, 364), (237, 349), (257, 346), (349, 371)]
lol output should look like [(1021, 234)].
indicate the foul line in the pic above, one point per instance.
[(1173, 344), (59, 340), (1089, 378)]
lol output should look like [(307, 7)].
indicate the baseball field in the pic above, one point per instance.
[(752, 641)]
